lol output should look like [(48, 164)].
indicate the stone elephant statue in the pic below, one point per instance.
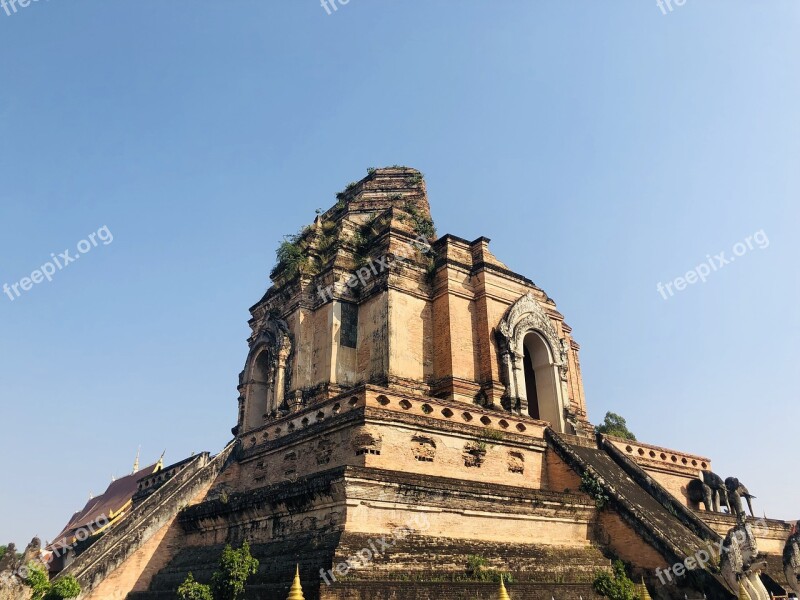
[(791, 561), (736, 491), (739, 564), (719, 493), (699, 492)]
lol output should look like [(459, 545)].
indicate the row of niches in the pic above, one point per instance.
[(404, 404), (302, 423), (447, 413), (653, 455)]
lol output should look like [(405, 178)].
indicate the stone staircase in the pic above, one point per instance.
[(635, 497), (144, 521)]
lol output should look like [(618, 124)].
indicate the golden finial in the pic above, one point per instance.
[(160, 463), (503, 593), (643, 593), (296, 591), (136, 462)]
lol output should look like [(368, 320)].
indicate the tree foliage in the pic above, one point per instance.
[(192, 590), (43, 589), (64, 587), (235, 567), (615, 425), (38, 581), (615, 585)]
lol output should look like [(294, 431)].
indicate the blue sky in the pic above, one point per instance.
[(604, 147)]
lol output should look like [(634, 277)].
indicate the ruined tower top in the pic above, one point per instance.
[(368, 294), (384, 188)]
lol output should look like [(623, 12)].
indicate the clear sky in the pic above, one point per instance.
[(604, 147)]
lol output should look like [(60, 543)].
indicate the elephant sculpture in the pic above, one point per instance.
[(736, 491), (719, 493), (791, 560), (738, 564), (699, 492)]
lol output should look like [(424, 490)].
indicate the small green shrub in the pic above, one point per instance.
[(350, 187), (292, 255), (62, 588), (477, 570), (38, 581), (615, 585), (414, 179), (42, 589), (422, 223), (492, 435), (191, 590), (591, 486), (235, 568)]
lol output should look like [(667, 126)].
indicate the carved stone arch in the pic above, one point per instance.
[(522, 319), (266, 375)]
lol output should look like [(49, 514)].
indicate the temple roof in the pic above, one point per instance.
[(104, 508)]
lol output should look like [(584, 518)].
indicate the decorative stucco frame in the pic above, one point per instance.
[(523, 317), (274, 339)]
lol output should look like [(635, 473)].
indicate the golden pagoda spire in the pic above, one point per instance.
[(643, 593), (503, 593), (296, 591)]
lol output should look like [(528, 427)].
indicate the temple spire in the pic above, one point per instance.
[(160, 463), (643, 593), (136, 462), (296, 591), (503, 593)]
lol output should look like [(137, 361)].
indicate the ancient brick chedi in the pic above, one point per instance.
[(411, 417)]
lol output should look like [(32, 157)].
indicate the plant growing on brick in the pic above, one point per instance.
[(477, 570), (423, 224), (615, 585), (235, 568), (192, 590), (491, 435), (591, 486)]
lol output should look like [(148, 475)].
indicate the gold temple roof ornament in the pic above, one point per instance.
[(642, 591), (296, 591), (503, 593)]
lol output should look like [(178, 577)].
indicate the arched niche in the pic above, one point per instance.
[(533, 362), (265, 375)]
